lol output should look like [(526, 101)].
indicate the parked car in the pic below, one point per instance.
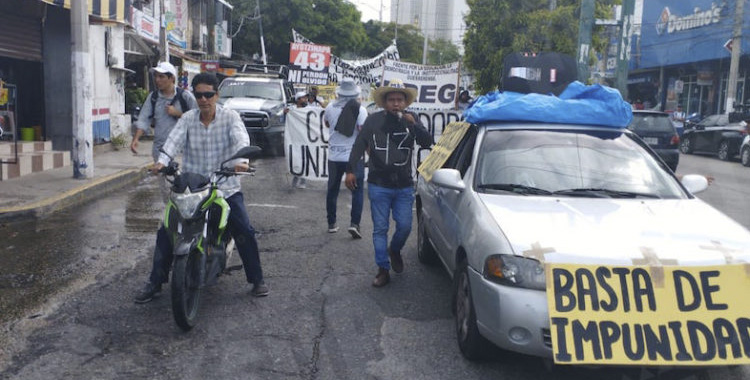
[(714, 135), (745, 151), (658, 131), (514, 197), (260, 99)]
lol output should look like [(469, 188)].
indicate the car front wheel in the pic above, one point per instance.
[(724, 150), (472, 344), (745, 156), (686, 145)]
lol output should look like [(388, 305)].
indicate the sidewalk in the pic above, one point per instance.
[(39, 194)]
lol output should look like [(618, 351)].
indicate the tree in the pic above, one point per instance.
[(442, 52), (380, 36), (496, 28), (327, 22)]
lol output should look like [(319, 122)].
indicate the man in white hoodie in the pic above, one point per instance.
[(344, 116)]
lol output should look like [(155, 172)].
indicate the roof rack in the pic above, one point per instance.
[(257, 69)]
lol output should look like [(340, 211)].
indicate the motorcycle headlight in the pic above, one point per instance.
[(515, 271), (187, 203)]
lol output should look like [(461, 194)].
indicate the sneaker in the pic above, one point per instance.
[(354, 231), (382, 278), (397, 263), (148, 292), (333, 228), (259, 290)]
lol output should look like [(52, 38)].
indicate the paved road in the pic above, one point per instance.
[(322, 320)]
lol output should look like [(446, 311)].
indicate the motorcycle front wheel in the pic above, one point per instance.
[(186, 290)]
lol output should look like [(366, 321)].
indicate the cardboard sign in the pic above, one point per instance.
[(618, 315), (306, 143), (308, 63), (449, 140)]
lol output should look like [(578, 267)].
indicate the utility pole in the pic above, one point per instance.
[(585, 25), (734, 63), (163, 41), (83, 141), (623, 47)]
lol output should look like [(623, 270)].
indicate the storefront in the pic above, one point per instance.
[(21, 69), (684, 45)]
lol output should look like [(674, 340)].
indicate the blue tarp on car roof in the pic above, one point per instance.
[(578, 104)]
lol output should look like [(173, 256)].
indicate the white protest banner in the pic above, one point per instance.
[(308, 63), (362, 71), (436, 85), (306, 143)]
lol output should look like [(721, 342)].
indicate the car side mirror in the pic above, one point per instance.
[(694, 183), (448, 178)]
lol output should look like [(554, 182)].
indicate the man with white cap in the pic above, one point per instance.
[(163, 106), (300, 101), (388, 136), (344, 117)]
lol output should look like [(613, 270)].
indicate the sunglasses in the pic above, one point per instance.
[(207, 94)]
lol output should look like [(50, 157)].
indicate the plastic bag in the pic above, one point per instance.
[(578, 104)]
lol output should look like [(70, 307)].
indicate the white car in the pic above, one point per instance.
[(515, 198)]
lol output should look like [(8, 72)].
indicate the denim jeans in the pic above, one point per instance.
[(382, 201), (336, 170), (238, 226)]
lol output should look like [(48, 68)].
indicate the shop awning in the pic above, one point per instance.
[(113, 10)]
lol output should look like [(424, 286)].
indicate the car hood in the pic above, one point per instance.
[(250, 104), (617, 231)]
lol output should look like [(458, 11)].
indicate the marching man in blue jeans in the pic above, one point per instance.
[(344, 117), (388, 136)]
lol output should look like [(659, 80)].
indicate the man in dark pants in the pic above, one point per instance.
[(216, 133), (388, 136)]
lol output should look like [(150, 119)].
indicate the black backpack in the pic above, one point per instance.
[(178, 96), (348, 118), (542, 73)]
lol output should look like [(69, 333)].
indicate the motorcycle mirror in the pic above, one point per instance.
[(249, 152)]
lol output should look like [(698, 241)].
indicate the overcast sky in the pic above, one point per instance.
[(371, 9)]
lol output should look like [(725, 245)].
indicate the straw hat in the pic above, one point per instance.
[(395, 85)]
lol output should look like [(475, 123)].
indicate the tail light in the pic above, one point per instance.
[(675, 141)]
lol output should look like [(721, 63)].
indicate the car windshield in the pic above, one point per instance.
[(650, 122), (243, 89), (571, 163)]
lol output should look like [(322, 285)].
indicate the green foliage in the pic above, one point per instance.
[(327, 22), (134, 96), (119, 141), (380, 35), (496, 28), (442, 52)]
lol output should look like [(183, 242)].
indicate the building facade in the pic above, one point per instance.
[(681, 55)]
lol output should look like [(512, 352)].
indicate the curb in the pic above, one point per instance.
[(73, 197)]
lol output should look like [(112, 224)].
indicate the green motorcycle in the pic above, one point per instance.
[(196, 220)]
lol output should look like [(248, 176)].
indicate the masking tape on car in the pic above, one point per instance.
[(656, 265), (537, 252)]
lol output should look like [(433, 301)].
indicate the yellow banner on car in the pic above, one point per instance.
[(617, 315), (452, 135)]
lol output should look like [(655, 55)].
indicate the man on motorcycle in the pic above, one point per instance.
[(206, 137)]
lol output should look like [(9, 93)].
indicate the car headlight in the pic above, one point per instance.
[(277, 115), (515, 271), (187, 203)]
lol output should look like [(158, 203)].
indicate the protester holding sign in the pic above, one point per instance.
[(389, 137), (345, 117), (300, 101)]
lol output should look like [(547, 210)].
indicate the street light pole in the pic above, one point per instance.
[(262, 42), (734, 63)]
